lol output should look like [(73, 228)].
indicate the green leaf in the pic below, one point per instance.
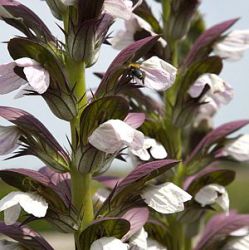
[(109, 227)]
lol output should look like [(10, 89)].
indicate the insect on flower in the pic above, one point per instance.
[(136, 72)]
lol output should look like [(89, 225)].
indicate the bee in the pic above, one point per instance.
[(136, 72)]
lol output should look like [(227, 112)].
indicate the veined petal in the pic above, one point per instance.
[(166, 198), (238, 149), (159, 75), (233, 46), (9, 80), (68, 2), (33, 204), (11, 214), (139, 239), (119, 8), (9, 137), (109, 243), (112, 135), (37, 77), (212, 194)]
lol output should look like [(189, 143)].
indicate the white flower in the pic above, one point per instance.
[(112, 135), (109, 243), (125, 37), (150, 146), (120, 8), (233, 46), (31, 203), (211, 194), (166, 198), (220, 91), (9, 137), (238, 149), (158, 74), (37, 77)]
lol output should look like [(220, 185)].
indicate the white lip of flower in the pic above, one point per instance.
[(220, 91), (139, 239), (150, 145), (37, 77), (112, 135), (9, 137), (211, 194), (31, 203), (158, 74), (108, 243), (123, 38), (154, 245), (238, 149), (120, 8), (243, 231), (240, 243), (233, 46), (166, 198)]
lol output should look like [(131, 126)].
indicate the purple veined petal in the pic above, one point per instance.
[(9, 137), (137, 218), (217, 134), (25, 235), (108, 181), (135, 120), (219, 227), (38, 78), (9, 80)]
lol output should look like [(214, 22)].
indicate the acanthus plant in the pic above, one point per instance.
[(178, 178)]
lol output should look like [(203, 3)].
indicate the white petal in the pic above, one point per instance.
[(142, 154), (33, 204), (139, 239), (26, 62), (122, 39), (9, 80), (238, 149), (212, 194), (11, 214), (166, 198), (10, 200), (118, 8), (109, 243), (159, 75), (233, 46), (154, 245), (112, 135), (38, 78), (240, 232), (240, 243), (158, 151), (9, 137)]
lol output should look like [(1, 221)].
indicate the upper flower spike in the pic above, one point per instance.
[(37, 77), (233, 46)]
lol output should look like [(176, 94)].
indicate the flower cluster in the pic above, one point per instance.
[(153, 109)]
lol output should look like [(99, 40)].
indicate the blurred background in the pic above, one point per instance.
[(237, 74)]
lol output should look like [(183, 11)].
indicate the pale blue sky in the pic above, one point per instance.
[(237, 74)]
